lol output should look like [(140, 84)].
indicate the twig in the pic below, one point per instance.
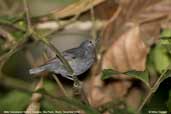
[(94, 35), (8, 37), (114, 17), (80, 6), (63, 25), (60, 85), (152, 90), (18, 18), (26, 7), (49, 44), (151, 20), (59, 55), (15, 48), (6, 23), (7, 81), (35, 99)]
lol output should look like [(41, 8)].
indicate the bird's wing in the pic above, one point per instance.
[(74, 52)]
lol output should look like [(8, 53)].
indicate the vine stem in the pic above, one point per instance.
[(152, 89)]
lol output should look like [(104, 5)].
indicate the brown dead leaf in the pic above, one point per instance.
[(99, 93), (105, 10), (148, 13), (125, 43), (158, 11), (76, 8), (134, 97), (128, 52)]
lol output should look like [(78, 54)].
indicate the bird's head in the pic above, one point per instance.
[(88, 44)]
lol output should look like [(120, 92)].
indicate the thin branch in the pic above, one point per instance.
[(72, 20), (49, 44), (8, 37), (7, 81), (151, 20), (152, 89), (94, 35), (34, 105), (14, 48), (59, 55), (26, 7), (8, 24), (20, 43), (60, 85)]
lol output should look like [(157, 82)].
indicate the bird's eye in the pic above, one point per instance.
[(90, 42)]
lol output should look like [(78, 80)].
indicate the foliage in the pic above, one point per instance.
[(141, 75), (159, 60), (14, 101), (158, 64)]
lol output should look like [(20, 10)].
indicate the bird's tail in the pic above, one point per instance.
[(37, 69)]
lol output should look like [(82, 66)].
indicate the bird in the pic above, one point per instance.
[(80, 59)]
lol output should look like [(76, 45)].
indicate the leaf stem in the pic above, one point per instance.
[(152, 89)]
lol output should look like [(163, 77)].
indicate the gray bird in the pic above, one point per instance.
[(80, 59)]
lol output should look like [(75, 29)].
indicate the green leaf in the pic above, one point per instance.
[(108, 73), (165, 40), (161, 58), (14, 101), (41, 91), (141, 75), (46, 105), (166, 33), (51, 87), (10, 19), (78, 104), (6, 19), (18, 35), (166, 75), (121, 111), (167, 47)]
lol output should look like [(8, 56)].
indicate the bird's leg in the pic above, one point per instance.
[(76, 81), (77, 89), (76, 86)]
